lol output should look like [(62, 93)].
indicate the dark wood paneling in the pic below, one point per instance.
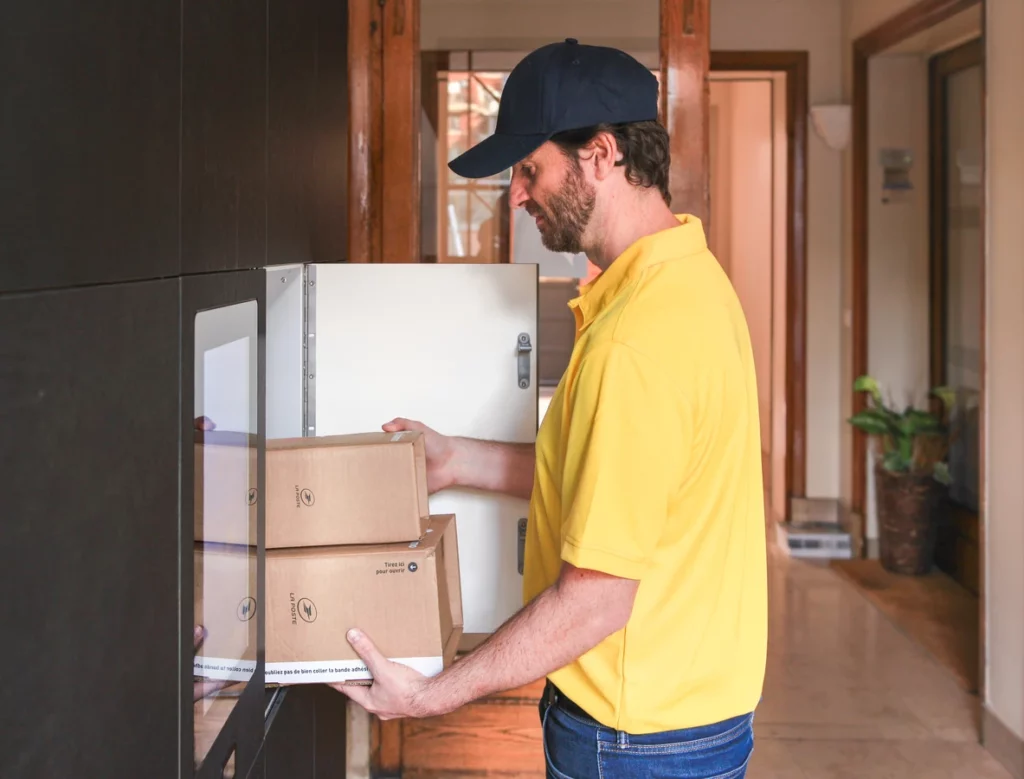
[(89, 537), (308, 132), (224, 142), (89, 100)]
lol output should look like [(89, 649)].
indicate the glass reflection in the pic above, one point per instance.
[(225, 503)]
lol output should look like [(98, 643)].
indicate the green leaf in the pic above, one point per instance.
[(917, 422), (872, 421), (896, 462), (941, 474), (869, 385), (947, 395)]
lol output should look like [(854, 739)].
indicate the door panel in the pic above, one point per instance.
[(308, 131), (88, 142), (89, 536), (224, 141), (437, 343), (222, 381)]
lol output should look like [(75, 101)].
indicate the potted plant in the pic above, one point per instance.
[(911, 475)]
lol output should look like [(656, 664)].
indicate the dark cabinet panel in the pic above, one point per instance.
[(308, 132), (289, 746), (89, 536), (307, 739), (224, 124), (89, 141)]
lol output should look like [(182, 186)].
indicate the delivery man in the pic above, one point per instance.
[(645, 580)]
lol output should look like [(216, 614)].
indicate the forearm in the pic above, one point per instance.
[(494, 467), (548, 634)]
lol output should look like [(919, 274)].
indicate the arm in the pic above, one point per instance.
[(565, 621), (468, 462)]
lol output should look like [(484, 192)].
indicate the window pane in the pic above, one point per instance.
[(457, 224), (964, 276)]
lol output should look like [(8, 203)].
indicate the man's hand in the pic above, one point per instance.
[(491, 466), (440, 451), (397, 690)]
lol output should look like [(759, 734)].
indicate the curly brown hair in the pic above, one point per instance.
[(644, 147)]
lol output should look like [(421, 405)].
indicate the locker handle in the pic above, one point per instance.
[(523, 349)]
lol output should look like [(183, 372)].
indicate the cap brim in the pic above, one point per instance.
[(495, 154)]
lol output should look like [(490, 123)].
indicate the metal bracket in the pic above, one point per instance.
[(522, 544), (309, 351), (523, 349)]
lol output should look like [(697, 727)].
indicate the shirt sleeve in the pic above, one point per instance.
[(623, 462)]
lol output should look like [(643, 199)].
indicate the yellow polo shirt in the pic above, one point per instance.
[(649, 468)]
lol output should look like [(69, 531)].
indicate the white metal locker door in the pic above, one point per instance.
[(439, 344)]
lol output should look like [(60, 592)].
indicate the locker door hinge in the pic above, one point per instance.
[(308, 350)]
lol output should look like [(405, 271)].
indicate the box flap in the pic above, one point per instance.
[(350, 439)]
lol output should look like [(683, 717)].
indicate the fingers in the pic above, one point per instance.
[(356, 693), (204, 423), (198, 634), (368, 651), (398, 424)]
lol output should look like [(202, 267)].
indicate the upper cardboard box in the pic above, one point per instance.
[(225, 487), (368, 488), (406, 597)]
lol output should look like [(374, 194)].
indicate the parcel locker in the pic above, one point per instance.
[(351, 346)]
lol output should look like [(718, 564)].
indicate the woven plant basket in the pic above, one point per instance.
[(908, 517)]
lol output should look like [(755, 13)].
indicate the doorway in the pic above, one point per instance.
[(918, 295)]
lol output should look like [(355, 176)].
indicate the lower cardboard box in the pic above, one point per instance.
[(406, 597), (225, 606)]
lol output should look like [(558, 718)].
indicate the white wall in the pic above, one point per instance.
[(1004, 329), (811, 25), (898, 261)]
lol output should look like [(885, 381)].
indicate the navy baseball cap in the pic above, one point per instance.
[(559, 87)]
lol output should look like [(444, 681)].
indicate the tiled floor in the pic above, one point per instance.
[(848, 695)]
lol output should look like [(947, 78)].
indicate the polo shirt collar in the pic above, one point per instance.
[(684, 240)]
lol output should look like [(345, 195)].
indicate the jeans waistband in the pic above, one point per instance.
[(555, 697)]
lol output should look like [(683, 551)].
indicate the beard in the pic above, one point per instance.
[(567, 214)]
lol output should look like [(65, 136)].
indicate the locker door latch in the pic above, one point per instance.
[(523, 349)]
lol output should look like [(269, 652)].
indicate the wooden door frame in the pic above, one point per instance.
[(795, 65), (916, 19)]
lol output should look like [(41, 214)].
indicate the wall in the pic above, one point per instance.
[(811, 25), (1004, 418), (898, 261)]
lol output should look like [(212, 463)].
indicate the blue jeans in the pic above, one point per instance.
[(577, 747)]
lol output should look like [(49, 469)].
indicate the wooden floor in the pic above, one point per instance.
[(932, 610)]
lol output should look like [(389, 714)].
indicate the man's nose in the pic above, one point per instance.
[(517, 195)]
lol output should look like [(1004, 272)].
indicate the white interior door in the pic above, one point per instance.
[(436, 343)]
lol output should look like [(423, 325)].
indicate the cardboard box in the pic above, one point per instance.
[(406, 597), (368, 488), (225, 494), (225, 604)]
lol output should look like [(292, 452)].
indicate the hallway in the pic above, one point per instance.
[(848, 695)]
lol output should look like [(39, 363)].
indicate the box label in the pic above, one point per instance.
[(342, 670)]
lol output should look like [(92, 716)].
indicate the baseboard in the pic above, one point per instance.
[(873, 549), (1002, 743)]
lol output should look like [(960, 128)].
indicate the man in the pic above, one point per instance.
[(645, 577)]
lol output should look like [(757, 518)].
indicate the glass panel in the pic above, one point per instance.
[(488, 225), (964, 275), (457, 221), (225, 551), (459, 135)]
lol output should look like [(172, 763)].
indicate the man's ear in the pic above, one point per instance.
[(605, 155)]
